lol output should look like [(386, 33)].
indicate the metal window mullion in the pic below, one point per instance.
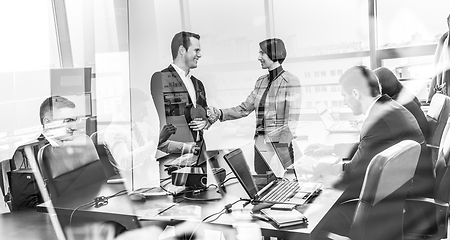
[(62, 34), (185, 15), (373, 38), (270, 23)]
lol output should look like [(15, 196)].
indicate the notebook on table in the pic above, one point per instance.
[(275, 190), (331, 124), (283, 218)]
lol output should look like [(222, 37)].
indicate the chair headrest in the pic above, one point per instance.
[(439, 106), (389, 170), (61, 160)]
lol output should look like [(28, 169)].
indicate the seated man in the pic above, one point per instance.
[(386, 124), (59, 122)]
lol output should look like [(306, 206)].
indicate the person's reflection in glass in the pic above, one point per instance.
[(129, 137), (136, 137)]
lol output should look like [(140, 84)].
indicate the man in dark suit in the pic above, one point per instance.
[(175, 91), (386, 123)]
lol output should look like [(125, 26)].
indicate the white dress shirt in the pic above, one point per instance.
[(186, 78)]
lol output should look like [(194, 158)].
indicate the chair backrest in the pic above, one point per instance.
[(437, 117), (442, 189), (379, 212), (106, 158), (67, 168)]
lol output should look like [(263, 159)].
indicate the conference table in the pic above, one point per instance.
[(134, 214)]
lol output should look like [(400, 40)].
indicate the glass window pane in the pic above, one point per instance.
[(414, 72), (411, 22), (99, 39), (323, 88), (28, 50), (167, 15), (29, 39), (322, 27), (229, 31), (229, 66)]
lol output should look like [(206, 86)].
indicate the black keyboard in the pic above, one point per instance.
[(281, 192)]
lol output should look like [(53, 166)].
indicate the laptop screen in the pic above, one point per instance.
[(236, 160), (282, 151), (325, 115), (261, 166)]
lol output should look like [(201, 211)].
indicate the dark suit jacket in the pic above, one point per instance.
[(417, 112), (388, 123), (172, 83)]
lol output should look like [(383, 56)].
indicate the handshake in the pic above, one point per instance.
[(213, 114)]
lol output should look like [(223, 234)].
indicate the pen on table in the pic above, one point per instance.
[(167, 208)]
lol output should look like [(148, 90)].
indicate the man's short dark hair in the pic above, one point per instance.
[(182, 39), (48, 104), (351, 78)]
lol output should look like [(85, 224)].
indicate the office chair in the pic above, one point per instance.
[(379, 208), (106, 159), (68, 168), (437, 117), (436, 229)]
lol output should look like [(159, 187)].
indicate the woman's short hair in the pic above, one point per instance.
[(274, 48)]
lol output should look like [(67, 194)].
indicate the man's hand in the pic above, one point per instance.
[(213, 114), (166, 132), (198, 124), (318, 148)]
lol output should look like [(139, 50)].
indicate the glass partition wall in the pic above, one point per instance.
[(117, 45)]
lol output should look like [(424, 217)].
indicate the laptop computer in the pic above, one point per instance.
[(331, 124), (275, 190), (284, 157)]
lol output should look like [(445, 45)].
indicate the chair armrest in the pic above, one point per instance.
[(433, 147), (429, 201), (331, 236), (350, 201), (441, 218), (335, 236)]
